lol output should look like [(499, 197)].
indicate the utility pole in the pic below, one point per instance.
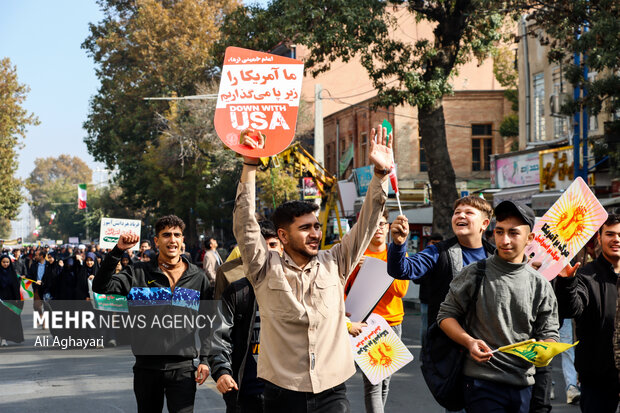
[(319, 142)]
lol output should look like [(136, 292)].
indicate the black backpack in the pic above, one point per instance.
[(442, 358)]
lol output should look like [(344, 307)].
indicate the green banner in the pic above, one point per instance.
[(347, 157)]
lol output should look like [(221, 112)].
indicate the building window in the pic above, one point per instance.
[(560, 122), (539, 106), (423, 164), (481, 147), (363, 148), (329, 156)]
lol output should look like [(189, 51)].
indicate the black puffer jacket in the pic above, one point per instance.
[(590, 298)]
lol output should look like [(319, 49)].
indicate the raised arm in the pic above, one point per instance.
[(245, 227), (105, 281), (355, 242)]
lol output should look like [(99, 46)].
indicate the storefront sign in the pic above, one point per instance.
[(518, 170)]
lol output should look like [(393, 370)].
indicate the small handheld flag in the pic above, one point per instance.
[(11, 307), (393, 179), (25, 289), (81, 196), (539, 353)]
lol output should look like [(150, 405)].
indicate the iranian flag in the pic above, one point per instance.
[(82, 196), (25, 289)]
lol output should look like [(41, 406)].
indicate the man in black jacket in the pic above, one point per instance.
[(590, 297), (235, 344), (160, 290)]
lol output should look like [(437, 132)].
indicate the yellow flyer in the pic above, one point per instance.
[(378, 350), (565, 228)]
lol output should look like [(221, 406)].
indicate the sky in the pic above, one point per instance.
[(43, 38)]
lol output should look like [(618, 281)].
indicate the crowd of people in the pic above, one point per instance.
[(281, 339)]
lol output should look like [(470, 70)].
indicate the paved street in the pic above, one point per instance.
[(54, 380)]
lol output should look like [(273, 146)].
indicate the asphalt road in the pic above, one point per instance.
[(53, 380)]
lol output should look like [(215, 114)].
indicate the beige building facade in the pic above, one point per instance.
[(473, 115)]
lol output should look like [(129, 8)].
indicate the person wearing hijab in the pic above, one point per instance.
[(85, 273), (125, 260), (50, 283), (10, 320), (149, 255)]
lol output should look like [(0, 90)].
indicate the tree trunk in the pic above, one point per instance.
[(440, 171)]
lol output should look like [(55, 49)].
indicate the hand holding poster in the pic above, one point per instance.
[(107, 302), (260, 91), (565, 228), (112, 228), (378, 350)]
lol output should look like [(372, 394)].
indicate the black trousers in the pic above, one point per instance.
[(178, 385), (245, 404), (279, 400), (598, 397), (541, 391)]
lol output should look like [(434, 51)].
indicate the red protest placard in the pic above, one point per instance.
[(259, 91)]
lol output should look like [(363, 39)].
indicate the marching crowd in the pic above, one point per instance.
[(281, 343)]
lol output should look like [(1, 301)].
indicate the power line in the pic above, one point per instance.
[(193, 97), (394, 113)]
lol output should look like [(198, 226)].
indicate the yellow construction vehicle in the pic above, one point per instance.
[(304, 165)]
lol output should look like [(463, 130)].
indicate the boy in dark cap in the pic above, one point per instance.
[(514, 303)]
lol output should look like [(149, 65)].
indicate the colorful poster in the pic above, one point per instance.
[(112, 228), (311, 190), (565, 228), (362, 177), (519, 170), (378, 351), (259, 91), (110, 302), (107, 302)]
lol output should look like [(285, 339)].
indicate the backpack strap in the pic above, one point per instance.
[(480, 273)]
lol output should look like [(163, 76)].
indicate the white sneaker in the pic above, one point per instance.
[(572, 395), (3, 343)]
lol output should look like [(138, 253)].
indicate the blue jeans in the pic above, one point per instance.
[(483, 396), (568, 357), (423, 322), (375, 395)]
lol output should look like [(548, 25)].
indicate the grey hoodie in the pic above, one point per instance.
[(515, 303)]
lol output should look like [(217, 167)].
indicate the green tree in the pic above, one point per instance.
[(417, 72), (147, 48), (589, 29), (14, 121), (5, 228), (277, 185), (191, 165), (53, 190)]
